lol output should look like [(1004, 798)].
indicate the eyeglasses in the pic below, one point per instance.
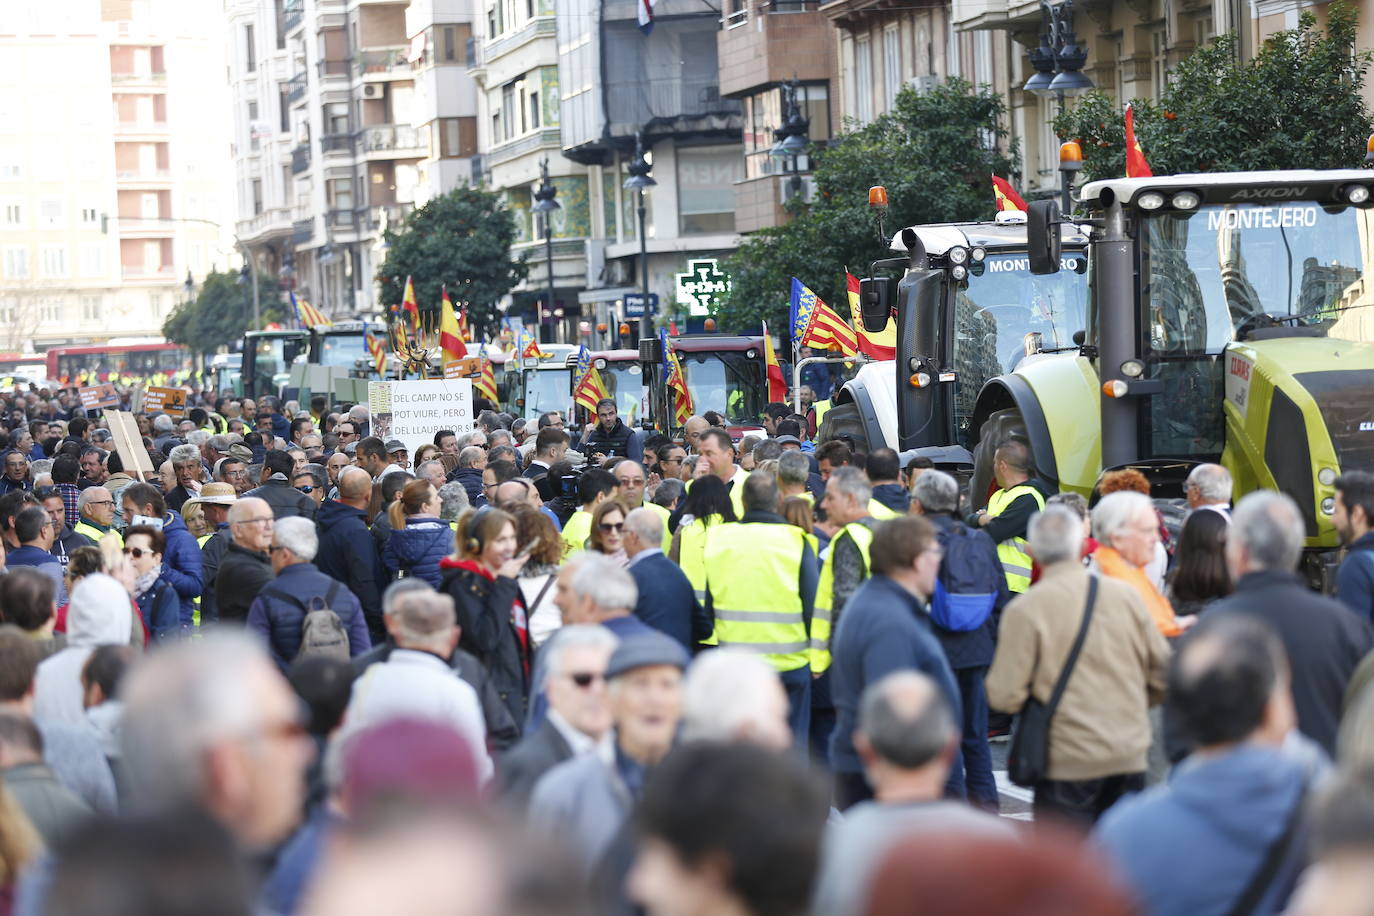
[(137, 552), (255, 521), (609, 527), (585, 679), (670, 460), (632, 482), (100, 502), (274, 548), (306, 488)]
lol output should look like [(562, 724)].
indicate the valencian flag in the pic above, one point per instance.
[(777, 384), (450, 333), (677, 384), (1136, 166), (375, 349), (1005, 195), (815, 324), (412, 309), (589, 388), (879, 345), (485, 385), (530, 347), (307, 314)]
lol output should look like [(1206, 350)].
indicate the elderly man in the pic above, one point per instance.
[(578, 719), (692, 431), (234, 471), (733, 695), (311, 481), (398, 454), (214, 448), (629, 474), (215, 500), (210, 724), (1209, 487), (1126, 526), (1100, 733), (93, 470), (334, 465), (588, 799), (96, 507), (245, 568), (666, 599), (347, 551), (433, 471), (16, 476), (1323, 639), (472, 461), (280, 609), (188, 470)]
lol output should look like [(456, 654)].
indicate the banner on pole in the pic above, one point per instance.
[(171, 401), (99, 396)]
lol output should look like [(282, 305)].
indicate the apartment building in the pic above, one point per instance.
[(113, 157)]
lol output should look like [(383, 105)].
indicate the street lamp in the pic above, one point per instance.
[(791, 139), (546, 202), (1058, 60), (641, 181)]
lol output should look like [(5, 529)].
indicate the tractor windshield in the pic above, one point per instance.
[(729, 383), (1211, 275), (343, 348), (625, 384), (545, 390)]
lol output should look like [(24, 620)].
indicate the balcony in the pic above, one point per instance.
[(390, 141), (137, 129), (300, 159), (295, 89), (292, 14), (130, 81), (336, 143), (147, 272), (340, 219), (382, 62), (144, 177), (328, 69), (302, 230), (270, 223), (371, 217), (139, 227)]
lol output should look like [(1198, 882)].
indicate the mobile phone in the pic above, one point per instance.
[(528, 549)]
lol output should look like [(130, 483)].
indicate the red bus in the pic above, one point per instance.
[(72, 364)]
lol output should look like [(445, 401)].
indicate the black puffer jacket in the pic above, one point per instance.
[(484, 614)]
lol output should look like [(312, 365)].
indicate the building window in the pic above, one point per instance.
[(336, 119), (9, 309), (257, 196), (250, 49), (534, 109), (863, 81), (706, 179), (50, 310), (1159, 62), (89, 216), (92, 308), (16, 262), (14, 214), (457, 137), (508, 111), (50, 214), (283, 108), (892, 64), (54, 261), (92, 260), (252, 110), (155, 304), (10, 170), (339, 194)]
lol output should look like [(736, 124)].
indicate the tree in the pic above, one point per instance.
[(933, 152), (461, 239), (221, 312), (1296, 105)]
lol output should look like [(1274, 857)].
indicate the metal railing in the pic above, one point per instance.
[(300, 159), (138, 77), (292, 13), (295, 88), (389, 138), (140, 127), (139, 270), (336, 143), (374, 61), (143, 175)]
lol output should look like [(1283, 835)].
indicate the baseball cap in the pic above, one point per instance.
[(395, 445), (788, 440)]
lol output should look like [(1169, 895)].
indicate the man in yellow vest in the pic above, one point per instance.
[(1009, 510), (95, 510), (761, 590), (215, 500)]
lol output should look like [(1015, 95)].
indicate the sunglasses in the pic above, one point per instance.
[(585, 679), (137, 552), (308, 488), (607, 526)]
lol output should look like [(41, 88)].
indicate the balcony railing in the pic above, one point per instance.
[(146, 224), (302, 230), (140, 127), (118, 78), (144, 175), (300, 159), (375, 61), (390, 138), (328, 68), (295, 88), (141, 270), (336, 143), (292, 13), (340, 219)]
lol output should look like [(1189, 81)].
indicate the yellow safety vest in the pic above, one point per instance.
[(576, 532), (664, 514), (691, 558), (736, 493), (879, 511), (1016, 562), (95, 534), (862, 536), (752, 572)]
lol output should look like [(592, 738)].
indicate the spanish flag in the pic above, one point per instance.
[(1005, 195), (777, 384), (450, 333), (1136, 166), (412, 309), (881, 344)]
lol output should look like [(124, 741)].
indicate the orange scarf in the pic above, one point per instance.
[(1114, 565)]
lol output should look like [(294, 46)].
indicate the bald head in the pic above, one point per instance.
[(906, 721), (354, 484), (244, 509)]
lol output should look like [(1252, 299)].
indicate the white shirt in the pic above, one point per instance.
[(579, 741), (418, 685), (389, 469)]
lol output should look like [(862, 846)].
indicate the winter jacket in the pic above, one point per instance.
[(1355, 579), (181, 564), (242, 574), (620, 441), (894, 496), (44, 562), (211, 553), (286, 501), (68, 541), (161, 610), (484, 609), (971, 648), (417, 548), (471, 479), (348, 554), (279, 610)]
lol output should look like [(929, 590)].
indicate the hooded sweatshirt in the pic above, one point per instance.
[(100, 614), (1192, 846)]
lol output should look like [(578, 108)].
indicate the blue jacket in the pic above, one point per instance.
[(281, 427), (279, 610), (667, 602), (418, 547), (471, 479), (894, 496), (161, 610), (45, 563), (1355, 580), (1193, 845), (181, 564), (883, 629), (348, 553)]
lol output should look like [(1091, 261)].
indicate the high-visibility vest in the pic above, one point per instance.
[(665, 515), (820, 407), (95, 534), (1016, 562), (691, 558), (576, 532), (879, 511), (862, 536), (736, 493), (752, 573)]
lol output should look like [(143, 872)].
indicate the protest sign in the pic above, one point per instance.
[(414, 411), (171, 401), (99, 396), (129, 444)]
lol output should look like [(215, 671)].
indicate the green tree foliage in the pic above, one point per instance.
[(1295, 105), (222, 311), (462, 239), (933, 152)]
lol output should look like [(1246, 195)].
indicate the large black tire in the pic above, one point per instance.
[(1000, 426), (844, 420)]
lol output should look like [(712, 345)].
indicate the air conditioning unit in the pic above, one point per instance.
[(807, 192), (374, 90), (618, 272), (923, 84)]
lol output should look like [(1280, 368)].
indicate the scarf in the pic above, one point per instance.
[(1113, 565), (146, 581)]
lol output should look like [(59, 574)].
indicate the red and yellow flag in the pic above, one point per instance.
[(1005, 195), (880, 344), (680, 394), (450, 333), (589, 388), (1136, 166), (777, 383), (464, 332), (411, 308), (485, 385), (376, 349), (820, 326)]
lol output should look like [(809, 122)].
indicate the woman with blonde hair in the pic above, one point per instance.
[(535, 532), (420, 539)]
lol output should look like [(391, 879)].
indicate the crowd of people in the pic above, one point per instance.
[(538, 667)]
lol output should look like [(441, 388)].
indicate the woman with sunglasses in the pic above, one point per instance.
[(608, 528), (156, 598), (419, 539)]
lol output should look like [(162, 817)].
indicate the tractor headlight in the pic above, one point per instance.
[(1133, 368), (1329, 506), (1150, 200), (957, 255), (978, 254), (1326, 476), (959, 271), (1185, 200)]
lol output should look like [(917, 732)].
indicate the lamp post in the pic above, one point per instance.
[(640, 180), (546, 202), (1058, 60), (249, 274), (791, 139)]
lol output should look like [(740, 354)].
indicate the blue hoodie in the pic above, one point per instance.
[(181, 564), (418, 547), (1193, 845)]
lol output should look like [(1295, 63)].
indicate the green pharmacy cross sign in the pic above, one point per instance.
[(702, 285)]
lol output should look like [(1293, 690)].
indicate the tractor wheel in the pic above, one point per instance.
[(1000, 426), (844, 420)]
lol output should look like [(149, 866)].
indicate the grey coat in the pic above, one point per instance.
[(586, 802)]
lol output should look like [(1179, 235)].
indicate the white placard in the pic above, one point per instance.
[(414, 411)]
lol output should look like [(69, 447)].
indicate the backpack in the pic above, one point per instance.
[(323, 634), (962, 599)]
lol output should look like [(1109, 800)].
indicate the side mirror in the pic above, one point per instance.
[(877, 297), (1042, 236)]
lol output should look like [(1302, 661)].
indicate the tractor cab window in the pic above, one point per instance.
[(1211, 275), (730, 383)]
